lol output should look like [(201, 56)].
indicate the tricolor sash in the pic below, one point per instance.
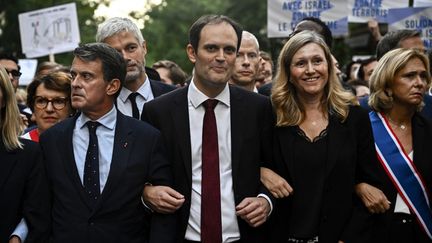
[(402, 171)]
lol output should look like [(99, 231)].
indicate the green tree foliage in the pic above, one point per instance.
[(166, 31)]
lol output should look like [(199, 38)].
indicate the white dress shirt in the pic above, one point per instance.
[(105, 134), (144, 94), (230, 229), (400, 206)]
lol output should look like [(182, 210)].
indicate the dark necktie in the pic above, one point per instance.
[(91, 167), (211, 226), (135, 112)]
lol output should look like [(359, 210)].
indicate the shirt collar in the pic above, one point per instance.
[(108, 120), (196, 97), (144, 90)]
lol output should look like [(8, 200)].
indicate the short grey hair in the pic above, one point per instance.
[(117, 25), (249, 35)]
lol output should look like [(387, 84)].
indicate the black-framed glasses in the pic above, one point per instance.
[(15, 73), (58, 103)]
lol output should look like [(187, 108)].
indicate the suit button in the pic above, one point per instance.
[(324, 219), (91, 223)]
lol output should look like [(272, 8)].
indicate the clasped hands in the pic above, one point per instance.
[(163, 199)]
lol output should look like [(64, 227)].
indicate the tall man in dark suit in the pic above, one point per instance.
[(98, 161), (216, 136), (123, 35)]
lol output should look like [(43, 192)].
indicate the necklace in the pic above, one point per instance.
[(402, 126)]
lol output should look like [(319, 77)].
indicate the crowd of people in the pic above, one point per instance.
[(107, 149)]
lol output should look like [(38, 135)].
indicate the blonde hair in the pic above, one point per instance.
[(289, 110), (383, 76), (9, 114)]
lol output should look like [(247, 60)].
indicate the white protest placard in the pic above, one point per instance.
[(28, 70), (413, 18), (49, 30), (422, 3), (283, 16), (361, 11)]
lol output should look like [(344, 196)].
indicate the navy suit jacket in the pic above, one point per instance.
[(119, 216), (158, 88), (23, 192), (251, 126)]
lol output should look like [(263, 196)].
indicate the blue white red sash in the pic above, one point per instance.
[(402, 171)]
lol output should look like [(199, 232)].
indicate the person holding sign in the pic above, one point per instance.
[(402, 140)]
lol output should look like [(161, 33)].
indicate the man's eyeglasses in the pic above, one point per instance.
[(15, 73), (58, 103)]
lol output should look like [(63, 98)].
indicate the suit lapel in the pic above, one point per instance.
[(237, 125), (123, 143), (66, 151), (337, 134), (155, 89), (180, 119), (8, 162)]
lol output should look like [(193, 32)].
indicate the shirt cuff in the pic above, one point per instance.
[(21, 230), (268, 200), (142, 199)]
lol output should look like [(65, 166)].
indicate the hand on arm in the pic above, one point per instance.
[(372, 197), (253, 210), (162, 199), (277, 185)]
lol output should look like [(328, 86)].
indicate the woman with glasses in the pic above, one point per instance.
[(49, 99), (23, 184)]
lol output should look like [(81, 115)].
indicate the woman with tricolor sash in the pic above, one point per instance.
[(403, 141)]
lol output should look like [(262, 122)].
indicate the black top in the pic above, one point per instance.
[(309, 159)]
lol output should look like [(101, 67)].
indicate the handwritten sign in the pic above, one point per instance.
[(284, 15), (49, 30), (413, 18)]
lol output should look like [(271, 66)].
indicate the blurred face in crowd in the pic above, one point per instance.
[(12, 69), (353, 71), (336, 67), (266, 70), (215, 57), (362, 91), (247, 62), (91, 94), (409, 83), (368, 69), (309, 70), (164, 74), (134, 53), (50, 107), (413, 43)]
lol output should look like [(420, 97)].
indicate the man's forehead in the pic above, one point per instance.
[(412, 42), (8, 63), (248, 44), (215, 31)]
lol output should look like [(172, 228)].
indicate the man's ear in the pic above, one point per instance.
[(144, 46), (191, 53), (113, 86)]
